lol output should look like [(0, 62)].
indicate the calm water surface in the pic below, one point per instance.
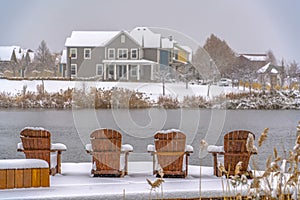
[(73, 128)]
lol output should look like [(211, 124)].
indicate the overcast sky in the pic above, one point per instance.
[(248, 26)]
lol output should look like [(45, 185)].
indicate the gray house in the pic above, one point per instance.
[(118, 55)]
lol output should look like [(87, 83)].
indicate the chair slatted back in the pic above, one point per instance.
[(170, 148), (36, 143), (235, 143), (106, 145)]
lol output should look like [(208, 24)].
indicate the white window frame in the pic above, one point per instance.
[(73, 65), (133, 68), (84, 53), (120, 52), (97, 69), (122, 39), (114, 53), (75, 52), (136, 54)]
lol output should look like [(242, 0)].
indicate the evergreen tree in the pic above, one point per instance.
[(222, 55)]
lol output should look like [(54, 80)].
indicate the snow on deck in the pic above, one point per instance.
[(75, 182)]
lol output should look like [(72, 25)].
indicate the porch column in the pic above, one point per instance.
[(104, 71), (127, 72), (138, 72), (151, 75), (115, 72)]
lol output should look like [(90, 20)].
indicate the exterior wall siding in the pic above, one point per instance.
[(151, 54), (87, 67)]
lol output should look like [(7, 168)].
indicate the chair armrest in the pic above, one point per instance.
[(20, 147), (88, 148), (126, 148), (189, 149), (58, 147), (215, 149), (150, 148)]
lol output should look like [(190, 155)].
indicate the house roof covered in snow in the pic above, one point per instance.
[(146, 38), (90, 38), (63, 59), (255, 57), (268, 68), (6, 53)]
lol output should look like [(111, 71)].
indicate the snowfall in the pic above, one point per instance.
[(75, 182)]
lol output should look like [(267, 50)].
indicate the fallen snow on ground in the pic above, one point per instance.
[(152, 90), (75, 182)]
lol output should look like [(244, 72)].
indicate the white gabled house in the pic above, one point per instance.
[(119, 55)]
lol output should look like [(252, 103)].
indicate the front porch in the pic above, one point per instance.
[(129, 70)]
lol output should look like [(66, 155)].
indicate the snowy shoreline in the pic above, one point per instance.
[(51, 94)]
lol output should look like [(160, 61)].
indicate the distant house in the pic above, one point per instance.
[(14, 59), (119, 55), (271, 74), (253, 61)]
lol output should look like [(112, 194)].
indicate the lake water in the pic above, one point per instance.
[(72, 127)]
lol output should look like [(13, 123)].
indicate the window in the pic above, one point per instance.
[(87, 53), (73, 69), (122, 53), (134, 53), (122, 38), (99, 69), (111, 53), (73, 53), (133, 70)]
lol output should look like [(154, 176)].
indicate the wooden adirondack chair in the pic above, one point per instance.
[(36, 143), (234, 151), (170, 153), (106, 149)]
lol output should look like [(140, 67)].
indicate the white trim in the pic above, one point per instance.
[(138, 72), (108, 57), (73, 75), (97, 69), (136, 55), (121, 50), (84, 54), (127, 70), (75, 52)]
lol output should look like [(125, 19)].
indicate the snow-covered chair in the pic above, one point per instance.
[(234, 150), (36, 144), (170, 153), (110, 157)]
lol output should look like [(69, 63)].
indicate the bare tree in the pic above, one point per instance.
[(43, 57)]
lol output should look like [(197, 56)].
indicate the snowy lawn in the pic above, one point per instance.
[(75, 182), (152, 90)]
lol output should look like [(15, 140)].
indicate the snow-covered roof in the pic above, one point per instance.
[(264, 68), (268, 68), (255, 57), (6, 52), (90, 38), (146, 38), (63, 59), (167, 43)]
